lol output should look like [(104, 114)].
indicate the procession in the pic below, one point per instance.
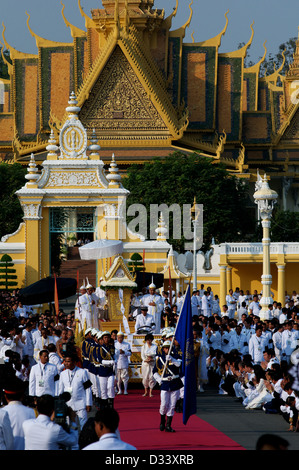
[(44, 364)]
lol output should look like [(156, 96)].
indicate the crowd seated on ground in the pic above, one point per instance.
[(252, 359)]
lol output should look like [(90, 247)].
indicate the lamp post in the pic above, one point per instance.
[(194, 217), (265, 198)]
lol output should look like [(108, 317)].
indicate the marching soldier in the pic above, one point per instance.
[(167, 374)]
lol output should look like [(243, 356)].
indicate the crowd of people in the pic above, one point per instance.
[(244, 355)]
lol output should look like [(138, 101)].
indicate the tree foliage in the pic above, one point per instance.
[(179, 178), (12, 178)]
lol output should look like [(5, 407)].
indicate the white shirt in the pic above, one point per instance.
[(6, 436), (122, 360), (257, 347), (18, 413), (43, 380), (109, 442), (43, 434), (143, 320), (72, 381)]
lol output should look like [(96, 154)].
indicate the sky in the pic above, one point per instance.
[(275, 21)]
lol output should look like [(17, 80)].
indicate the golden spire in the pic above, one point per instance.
[(161, 230)]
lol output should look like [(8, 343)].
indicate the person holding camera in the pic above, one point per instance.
[(42, 433), (75, 381)]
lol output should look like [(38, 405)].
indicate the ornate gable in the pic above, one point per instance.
[(118, 104)]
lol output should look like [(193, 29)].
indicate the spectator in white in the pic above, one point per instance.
[(225, 339), (54, 358), (205, 304), (42, 342), (6, 435), (36, 333), (195, 303), (14, 393), (29, 345), (122, 356), (254, 306), (231, 303), (42, 433), (277, 341), (283, 317), (213, 336), (257, 346), (106, 427), (224, 312), (179, 301), (215, 306), (288, 341), (242, 310), (269, 313), (75, 381), (239, 341), (20, 341), (43, 377)]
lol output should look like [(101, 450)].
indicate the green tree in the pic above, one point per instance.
[(136, 263), (12, 178), (285, 226), (177, 179), (3, 67), (7, 272)]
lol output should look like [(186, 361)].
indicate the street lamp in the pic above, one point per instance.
[(194, 216), (265, 198)]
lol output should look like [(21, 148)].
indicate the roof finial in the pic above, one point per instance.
[(52, 147), (161, 230), (32, 175), (114, 177), (94, 147)]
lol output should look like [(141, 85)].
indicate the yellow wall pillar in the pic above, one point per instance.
[(281, 284), (223, 285), (33, 251), (228, 278)]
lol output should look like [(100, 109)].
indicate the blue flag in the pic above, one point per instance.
[(184, 336)]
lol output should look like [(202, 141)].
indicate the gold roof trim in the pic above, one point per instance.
[(42, 42), (75, 32), (256, 67), (167, 22), (243, 50), (216, 40), (274, 76), (180, 32), (89, 23), (14, 53)]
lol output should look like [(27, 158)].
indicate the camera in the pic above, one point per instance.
[(61, 410)]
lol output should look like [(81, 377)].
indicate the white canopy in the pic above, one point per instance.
[(100, 249)]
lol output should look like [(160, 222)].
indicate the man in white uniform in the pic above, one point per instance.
[(122, 356), (101, 294), (257, 346), (78, 307), (43, 378), (155, 305), (144, 319), (75, 381), (89, 303)]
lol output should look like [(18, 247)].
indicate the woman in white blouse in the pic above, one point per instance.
[(148, 354)]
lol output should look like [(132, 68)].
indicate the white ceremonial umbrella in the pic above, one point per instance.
[(100, 249)]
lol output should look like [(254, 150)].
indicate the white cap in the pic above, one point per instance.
[(88, 286), (88, 330), (99, 334), (166, 344)]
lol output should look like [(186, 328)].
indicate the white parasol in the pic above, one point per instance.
[(100, 249)]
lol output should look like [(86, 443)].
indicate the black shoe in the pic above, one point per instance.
[(162, 423), (168, 425), (110, 403)]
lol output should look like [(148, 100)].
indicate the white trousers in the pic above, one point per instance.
[(107, 387), (122, 376), (148, 380), (95, 386), (168, 402)]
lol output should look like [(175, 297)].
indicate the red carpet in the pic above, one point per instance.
[(140, 420)]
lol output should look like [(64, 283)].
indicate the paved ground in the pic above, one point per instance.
[(243, 426)]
